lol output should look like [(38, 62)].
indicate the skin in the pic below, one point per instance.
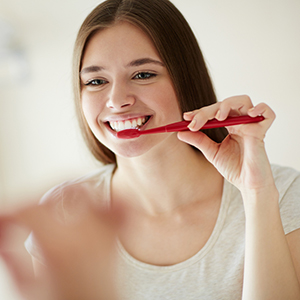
[(172, 192), (66, 277), (116, 92)]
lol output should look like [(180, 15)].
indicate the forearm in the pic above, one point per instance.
[(269, 271)]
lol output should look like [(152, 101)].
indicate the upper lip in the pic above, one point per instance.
[(124, 117)]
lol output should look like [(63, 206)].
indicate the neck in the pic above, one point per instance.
[(162, 181)]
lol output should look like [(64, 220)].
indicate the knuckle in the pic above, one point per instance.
[(247, 98), (198, 139), (201, 114)]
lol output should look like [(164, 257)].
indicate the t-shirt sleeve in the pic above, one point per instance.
[(290, 206)]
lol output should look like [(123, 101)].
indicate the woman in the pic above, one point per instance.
[(219, 223)]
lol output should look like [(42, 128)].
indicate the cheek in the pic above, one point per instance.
[(167, 100), (91, 108), (86, 108), (91, 111)]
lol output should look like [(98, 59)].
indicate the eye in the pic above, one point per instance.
[(96, 82), (144, 75)]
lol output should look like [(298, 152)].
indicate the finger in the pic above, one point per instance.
[(27, 216), (201, 116), (237, 105), (16, 262), (188, 116), (38, 217), (22, 276), (265, 111), (201, 141), (234, 106)]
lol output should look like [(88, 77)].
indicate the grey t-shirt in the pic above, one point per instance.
[(215, 272)]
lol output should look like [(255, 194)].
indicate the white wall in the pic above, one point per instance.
[(40, 143), (251, 47)]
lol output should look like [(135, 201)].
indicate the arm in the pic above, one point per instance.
[(270, 271), (293, 240)]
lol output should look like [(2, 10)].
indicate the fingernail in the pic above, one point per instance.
[(192, 124), (188, 113), (218, 114)]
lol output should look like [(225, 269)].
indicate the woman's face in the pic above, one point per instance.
[(125, 84)]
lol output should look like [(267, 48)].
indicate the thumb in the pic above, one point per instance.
[(201, 141)]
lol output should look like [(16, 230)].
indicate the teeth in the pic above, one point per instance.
[(121, 125), (128, 124)]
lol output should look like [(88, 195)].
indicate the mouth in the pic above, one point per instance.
[(135, 123)]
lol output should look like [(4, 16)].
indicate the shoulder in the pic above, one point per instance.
[(286, 178), (280, 172), (70, 197), (288, 184)]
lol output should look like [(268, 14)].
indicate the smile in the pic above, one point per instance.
[(128, 124)]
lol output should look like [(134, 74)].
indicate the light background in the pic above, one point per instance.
[(251, 47)]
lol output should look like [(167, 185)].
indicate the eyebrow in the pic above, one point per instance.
[(90, 69), (134, 63), (144, 61)]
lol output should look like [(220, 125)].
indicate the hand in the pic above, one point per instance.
[(79, 256), (241, 158)]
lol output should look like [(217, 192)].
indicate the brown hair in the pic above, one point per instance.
[(176, 45)]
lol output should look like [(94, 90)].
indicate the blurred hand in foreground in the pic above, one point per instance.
[(79, 256)]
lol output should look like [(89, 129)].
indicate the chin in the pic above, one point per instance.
[(141, 146), (132, 150)]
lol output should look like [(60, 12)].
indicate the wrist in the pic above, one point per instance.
[(260, 200)]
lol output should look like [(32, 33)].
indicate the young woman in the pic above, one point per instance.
[(207, 216)]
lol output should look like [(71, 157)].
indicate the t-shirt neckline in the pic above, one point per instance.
[(192, 260)]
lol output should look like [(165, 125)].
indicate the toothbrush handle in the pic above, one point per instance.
[(230, 121)]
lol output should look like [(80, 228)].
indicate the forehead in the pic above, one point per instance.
[(119, 44)]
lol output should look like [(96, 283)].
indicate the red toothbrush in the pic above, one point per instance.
[(182, 126)]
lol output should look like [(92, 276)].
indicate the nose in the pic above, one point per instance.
[(120, 97)]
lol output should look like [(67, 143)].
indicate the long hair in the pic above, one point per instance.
[(176, 45)]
